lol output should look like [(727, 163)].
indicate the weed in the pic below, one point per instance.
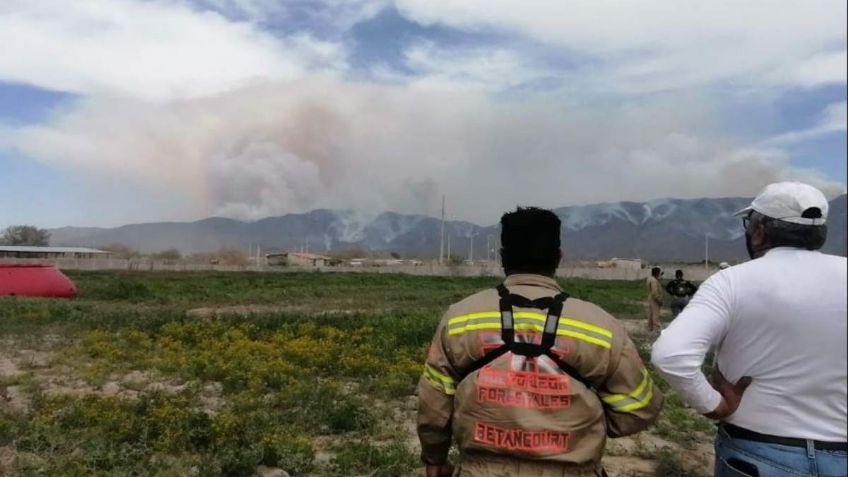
[(325, 357), (669, 464)]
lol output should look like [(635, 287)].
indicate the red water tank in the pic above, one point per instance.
[(35, 280)]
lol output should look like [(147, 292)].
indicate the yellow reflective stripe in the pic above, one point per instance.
[(615, 398), (474, 316), (586, 338), (529, 315), (449, 390), (634, 399), (441, 377), (517, 315), (586, 326), (637, 405), (531, 327), (646, 378), (473, 327), (635, 394), (440, 381)]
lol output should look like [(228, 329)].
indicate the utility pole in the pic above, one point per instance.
[(471, 247), (706, 253), (449, 253), (442, 236)]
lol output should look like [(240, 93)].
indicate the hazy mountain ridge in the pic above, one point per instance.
[(667, 229)]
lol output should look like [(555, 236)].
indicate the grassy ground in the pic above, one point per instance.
[(218, 373)]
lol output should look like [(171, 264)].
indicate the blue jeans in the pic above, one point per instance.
[(744, 458)]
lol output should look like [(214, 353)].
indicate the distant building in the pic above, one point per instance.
[(297, 259), (21, 251), (628, 263), (625, 263)]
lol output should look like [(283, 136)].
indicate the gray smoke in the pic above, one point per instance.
[(273, 148)]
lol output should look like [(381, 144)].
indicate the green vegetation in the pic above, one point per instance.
[(217, 373), (24, 235), (669, 464)]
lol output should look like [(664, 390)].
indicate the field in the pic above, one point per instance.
[(240, 374)]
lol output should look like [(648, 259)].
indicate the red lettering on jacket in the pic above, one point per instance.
[(522, 399), (542, 383), (520, 439)]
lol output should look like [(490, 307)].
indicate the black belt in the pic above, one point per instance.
[(741, 433)]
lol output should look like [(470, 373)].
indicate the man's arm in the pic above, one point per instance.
[(679, 352), (436, 389), (668, 288), (631, 400)]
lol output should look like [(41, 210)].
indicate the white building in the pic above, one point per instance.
[(26, 251)]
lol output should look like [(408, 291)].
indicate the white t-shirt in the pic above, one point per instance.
[(780, 319)]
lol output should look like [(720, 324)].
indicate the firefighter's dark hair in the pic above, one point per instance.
[(530, 241)]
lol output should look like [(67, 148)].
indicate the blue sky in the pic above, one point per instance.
[(122, 111)]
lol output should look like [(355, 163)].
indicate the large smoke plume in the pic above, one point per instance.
[(278, 147)]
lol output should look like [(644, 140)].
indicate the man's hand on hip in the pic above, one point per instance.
[(443, 470), (731, 394)]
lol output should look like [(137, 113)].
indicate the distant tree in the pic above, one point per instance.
[(120, 250), (349, 253), (25, 235), (232, 256), (395, 255), (454, 260), (170, 254), (224, 256)]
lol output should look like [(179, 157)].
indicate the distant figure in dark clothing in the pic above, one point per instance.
[(681, 291)]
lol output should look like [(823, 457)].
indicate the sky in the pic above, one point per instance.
[(126, 111)]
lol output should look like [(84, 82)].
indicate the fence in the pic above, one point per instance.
[(696, 273)]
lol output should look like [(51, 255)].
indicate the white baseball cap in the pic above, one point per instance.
[(791, 202)]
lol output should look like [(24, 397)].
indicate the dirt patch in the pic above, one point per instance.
[(34, 359), (13, 399), (8, 458), (8, 368), (629, 466)]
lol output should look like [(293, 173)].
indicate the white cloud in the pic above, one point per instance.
[(319, 142), (335, 16), (832, 120), (657, 45), (483, 69), (154, 49)]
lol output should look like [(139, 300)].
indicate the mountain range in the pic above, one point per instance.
[(665, 229)]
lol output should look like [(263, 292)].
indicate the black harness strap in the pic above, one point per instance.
[(553, 305)]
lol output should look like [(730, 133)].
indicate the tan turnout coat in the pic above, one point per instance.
[(528, 408)]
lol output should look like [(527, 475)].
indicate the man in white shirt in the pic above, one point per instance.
[(779, 324)]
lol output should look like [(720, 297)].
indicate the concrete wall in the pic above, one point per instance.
[(694, 273)]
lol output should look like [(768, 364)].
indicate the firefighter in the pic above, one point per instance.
[(681, 291), (654, 288), (525, 379)]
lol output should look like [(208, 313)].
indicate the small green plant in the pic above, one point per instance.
[(391, 460), (317, 364), (669, 464)]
